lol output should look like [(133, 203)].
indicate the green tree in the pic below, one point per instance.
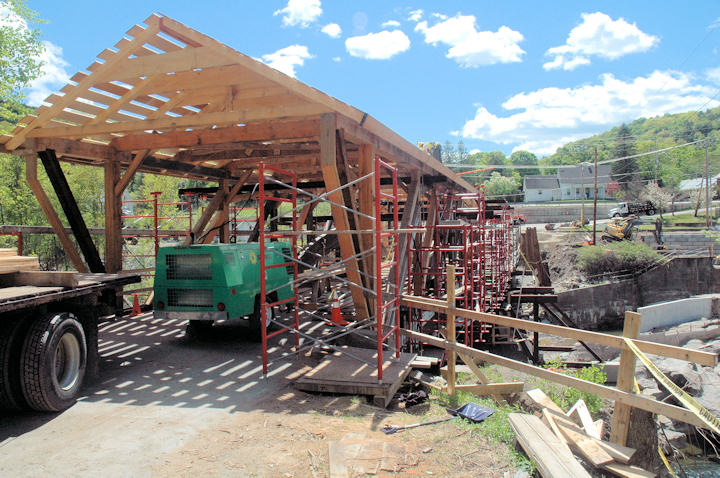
[(449, 155), (624, 170), (499, 185), (20, 48), (524, 158)]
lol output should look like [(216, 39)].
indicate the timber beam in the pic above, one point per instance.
[(331, 176), (261, 131)]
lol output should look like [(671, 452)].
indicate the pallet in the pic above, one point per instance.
[(340, 373)]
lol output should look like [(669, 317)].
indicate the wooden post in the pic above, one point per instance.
[(113, 211), (366, 156), (451, 329), (536, 335), (626, 376), (223, 220), (328, 165), (51, 214)]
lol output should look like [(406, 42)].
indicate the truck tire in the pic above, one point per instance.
[(198, 329), (617, 215), (255, 324), (650, 212), (53, 361), (11, 333)]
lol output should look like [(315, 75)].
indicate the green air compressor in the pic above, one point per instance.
[(209, 283)]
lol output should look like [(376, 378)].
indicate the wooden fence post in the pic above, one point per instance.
[(451, 335), (625, 380)]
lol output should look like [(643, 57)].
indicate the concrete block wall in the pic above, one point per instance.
[(603, 306), (674, 312)]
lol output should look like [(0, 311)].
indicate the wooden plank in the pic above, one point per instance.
[(71, 209), (585, 446), (600, 427), (22, 292), (187, 121), (51, 214), (366, 163), (42, 279), (620, 453), (638, 401), (480, 375), (583, 416), (550, 421), (627, 471), (696, 356), (544, 449), (539, 397), (328, 165), (85, 84), (492, 388), (172, 62), (626, 378), (8, 251)]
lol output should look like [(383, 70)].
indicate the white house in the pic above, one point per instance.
[(541, 188), (570, 183)]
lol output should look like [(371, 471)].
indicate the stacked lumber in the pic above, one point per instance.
[(573, 432), (10, 262)]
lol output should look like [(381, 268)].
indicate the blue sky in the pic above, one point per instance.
[(498, 75)]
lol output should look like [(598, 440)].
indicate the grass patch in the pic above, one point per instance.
[(624, 256), (495, 428)]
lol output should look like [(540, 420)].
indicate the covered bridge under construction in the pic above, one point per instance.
[(169, 100)]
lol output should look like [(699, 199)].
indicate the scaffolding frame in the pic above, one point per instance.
[(382, 283)]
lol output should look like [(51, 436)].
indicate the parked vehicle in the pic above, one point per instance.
[(49, 335), (218, 282), (625, 209)]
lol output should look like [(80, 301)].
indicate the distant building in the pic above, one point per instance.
[(696, 183), (570, 183), (541, 188)]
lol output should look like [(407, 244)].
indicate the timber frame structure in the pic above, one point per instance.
[(167, 99)]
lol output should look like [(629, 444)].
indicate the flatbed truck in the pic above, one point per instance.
[(49, 335)]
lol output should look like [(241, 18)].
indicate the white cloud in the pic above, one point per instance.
[(52, 70), (52, 75), (600, 35), (415, 15), (378, 46), (471, 48), (300, 12), (713, 74), (332, 30), (286, 59), (336, 59), (390, 23), (547, 118)]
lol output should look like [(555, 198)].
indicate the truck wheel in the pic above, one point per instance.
[(11, 333), (198, 329), (255, 324), (616, 215), (650, 212), (53, 360)]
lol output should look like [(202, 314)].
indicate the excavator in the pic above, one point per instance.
[(623, 229)]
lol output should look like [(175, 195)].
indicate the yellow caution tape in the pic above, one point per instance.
[(667, 463), (636, 386), (712, 422)]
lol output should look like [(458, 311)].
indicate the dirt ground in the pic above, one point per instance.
[(168, 406)]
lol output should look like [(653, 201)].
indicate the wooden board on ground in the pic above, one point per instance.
[(340, 373), (424, 362), (551, 458), (492, 388), (539, 397), (628, 471), (580, 410), (585, 445)]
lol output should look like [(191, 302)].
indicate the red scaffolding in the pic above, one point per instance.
[(382, 282)]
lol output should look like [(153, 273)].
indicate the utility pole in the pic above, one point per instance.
[(582, 194), (595, 200), (707, 187), (656, 160)]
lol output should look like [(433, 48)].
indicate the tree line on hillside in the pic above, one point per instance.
[(632, 174)]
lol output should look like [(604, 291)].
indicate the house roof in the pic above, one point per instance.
[(586, 175), (696, 183), (197, 108), (540, 182)]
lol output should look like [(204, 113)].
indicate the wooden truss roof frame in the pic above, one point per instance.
[(172, 100)]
